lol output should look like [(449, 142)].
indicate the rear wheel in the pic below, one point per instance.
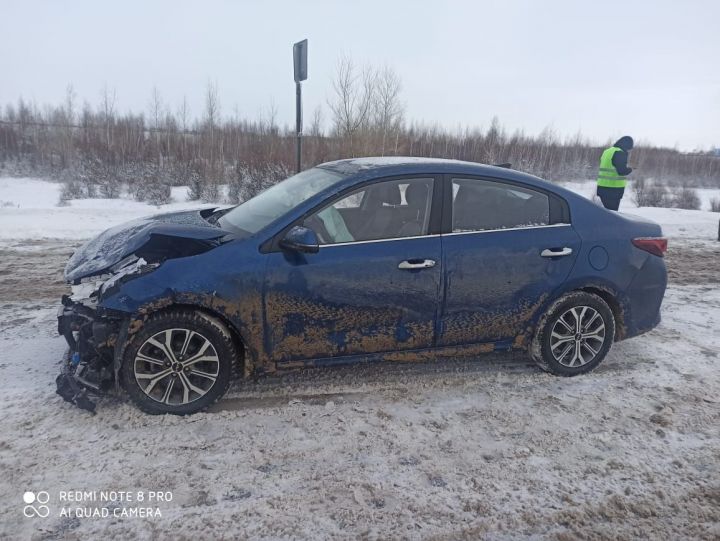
[(179, 362), (574, 335)]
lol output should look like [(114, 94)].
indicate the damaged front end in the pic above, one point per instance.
[(91, 333), (96, 334)]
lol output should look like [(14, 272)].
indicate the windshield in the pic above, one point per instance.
[(266, 207)]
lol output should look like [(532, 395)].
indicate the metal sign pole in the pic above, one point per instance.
[(298, 123), (300, 73)]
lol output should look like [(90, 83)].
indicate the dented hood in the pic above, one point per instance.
[(100, 254)]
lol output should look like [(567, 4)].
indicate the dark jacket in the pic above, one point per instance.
[(620, 159)]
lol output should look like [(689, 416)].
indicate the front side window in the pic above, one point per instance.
[(483, 205), (384, 210)]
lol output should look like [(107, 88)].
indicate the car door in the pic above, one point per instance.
[(373, 286), (506, 249)]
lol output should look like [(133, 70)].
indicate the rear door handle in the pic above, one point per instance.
[(552, 253), (410, 264)]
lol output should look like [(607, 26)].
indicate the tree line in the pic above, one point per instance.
[(99, 152)]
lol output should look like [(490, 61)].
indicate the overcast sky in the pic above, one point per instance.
[(645, 68)]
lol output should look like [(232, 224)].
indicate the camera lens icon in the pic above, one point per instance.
[(31, 510)]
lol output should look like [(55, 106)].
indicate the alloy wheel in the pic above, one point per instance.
[(176, 366), (577, 336)]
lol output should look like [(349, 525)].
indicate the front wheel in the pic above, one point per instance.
[(574, 335), (179, 362)]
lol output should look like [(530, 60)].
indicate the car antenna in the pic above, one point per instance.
[(506, 165)]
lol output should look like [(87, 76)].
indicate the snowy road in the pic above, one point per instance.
[(472, 448)]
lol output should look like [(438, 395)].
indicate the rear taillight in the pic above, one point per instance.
[(654, 245)]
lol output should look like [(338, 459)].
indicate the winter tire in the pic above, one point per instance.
[(179, 362), (574, 335)]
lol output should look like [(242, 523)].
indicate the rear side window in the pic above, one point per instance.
[(483, 205)]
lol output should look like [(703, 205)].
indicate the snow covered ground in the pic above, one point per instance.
[(489, 448), (29, 210), (677, 223)]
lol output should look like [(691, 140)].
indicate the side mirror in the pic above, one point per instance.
[(301, 239)]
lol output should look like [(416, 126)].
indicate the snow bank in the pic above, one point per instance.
[(676, 223), (29, 210), (587, 188)]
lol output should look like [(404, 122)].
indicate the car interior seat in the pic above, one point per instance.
[(379, 211), (416, 213)]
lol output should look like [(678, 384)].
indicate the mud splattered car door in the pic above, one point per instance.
[(507, 248), (372, 287)]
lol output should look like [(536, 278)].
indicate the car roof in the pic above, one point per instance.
[(354, 166), (359, 169)]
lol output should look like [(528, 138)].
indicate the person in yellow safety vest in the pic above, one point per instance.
[(613, 172)]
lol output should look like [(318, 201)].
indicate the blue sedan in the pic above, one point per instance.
[(398, 259)]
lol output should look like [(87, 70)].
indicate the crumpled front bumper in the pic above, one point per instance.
[(91, 331), (87, 367), (71, 317), (70, 388)]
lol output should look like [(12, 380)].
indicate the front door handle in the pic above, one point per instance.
[(552, 253), (410, 264)]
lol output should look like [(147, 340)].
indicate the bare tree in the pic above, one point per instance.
[(107, 104), (387, 110), (648, 194), (184, 118), (156, 113), (684, 197), (69, 117), (70, 97), (160, 149), (184, 114), (155, 107), (316, 123), (353, 97), (212, 104), (272, 125), (212, 116)]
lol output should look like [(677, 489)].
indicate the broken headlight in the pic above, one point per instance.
[(89, 289)]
